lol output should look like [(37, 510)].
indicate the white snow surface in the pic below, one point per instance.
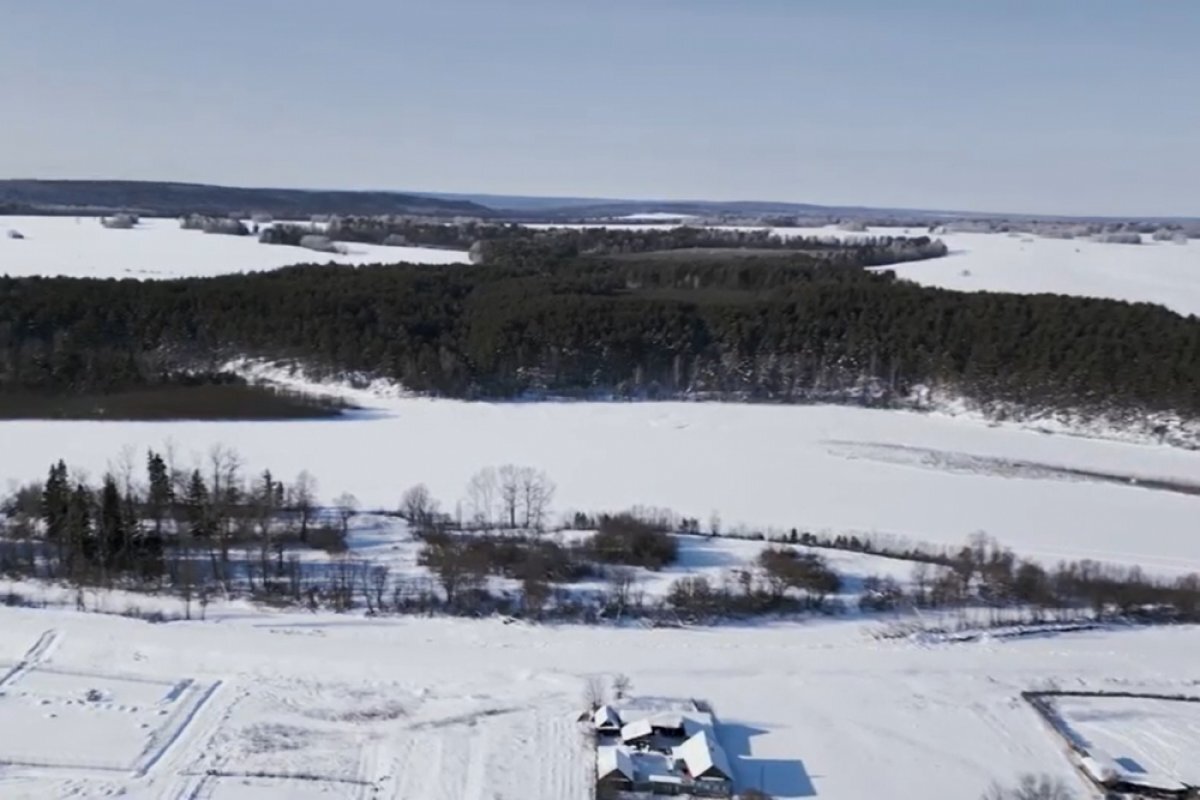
[(828, 469), (158, 248), (265, 705), (1153, 272), (1151, 741)]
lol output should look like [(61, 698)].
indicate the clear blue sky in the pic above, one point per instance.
[(1071, 106)]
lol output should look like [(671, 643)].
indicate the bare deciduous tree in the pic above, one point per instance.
[(593, 692), (510, 493), (346, 505), (417, 506), (621, 685), (482, 495), (536, 491), (304, 500)]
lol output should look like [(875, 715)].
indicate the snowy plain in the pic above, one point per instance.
[(818, 468), (288, 706), (254, 704), (158, 249)]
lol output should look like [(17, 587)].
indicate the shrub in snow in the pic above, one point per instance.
[(1031, 787), (225, 225), (395, 240), (119, 221), (1118, 238), (15, 234), (322, 244)]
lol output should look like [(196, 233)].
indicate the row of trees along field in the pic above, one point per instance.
[(497, 241), (209, 529), (536, 320)]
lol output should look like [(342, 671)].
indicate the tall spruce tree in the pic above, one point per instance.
[(55, 497), (114, 527), (160, 495), (81, 548), (196, 505)]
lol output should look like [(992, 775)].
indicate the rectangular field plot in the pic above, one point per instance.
[(90, 721), (1150, 741)]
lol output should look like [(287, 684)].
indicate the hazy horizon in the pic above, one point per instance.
[(1022, 109)]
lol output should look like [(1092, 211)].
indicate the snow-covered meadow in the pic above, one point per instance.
[(159, 248), (818, 468), (444, 709)]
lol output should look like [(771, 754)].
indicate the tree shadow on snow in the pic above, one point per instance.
[(779, 778)]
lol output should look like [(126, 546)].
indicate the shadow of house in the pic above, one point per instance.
[(780, 778)]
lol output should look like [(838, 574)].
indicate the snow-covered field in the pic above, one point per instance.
[(1152, 272), (1153, 741), (820, 468), (276, 706), (159, 248)]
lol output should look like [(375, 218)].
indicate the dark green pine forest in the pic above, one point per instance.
[(538, 317)]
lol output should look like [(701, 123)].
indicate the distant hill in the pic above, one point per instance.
[(531, 207), (159, 198)]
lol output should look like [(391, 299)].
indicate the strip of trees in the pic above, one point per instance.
[(211, 528)]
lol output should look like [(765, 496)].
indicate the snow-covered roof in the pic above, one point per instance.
[(606, 717), (1105, 770), (667, 719), (636, 729), (704, 757), (613, 761)]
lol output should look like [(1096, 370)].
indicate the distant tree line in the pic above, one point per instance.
[(497, 238)]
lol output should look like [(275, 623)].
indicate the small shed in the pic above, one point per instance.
[(704, 760), (607, 720), (614, 769)]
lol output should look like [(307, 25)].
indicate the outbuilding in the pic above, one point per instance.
[(607, 720), (637, 733), (703, 760), (614, 769)]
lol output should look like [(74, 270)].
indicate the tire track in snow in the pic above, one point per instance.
[(175, 735), (476, 771), (35, 655)]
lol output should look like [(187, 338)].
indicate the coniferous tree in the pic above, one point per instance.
[(160, 494), (113, 530), (196, 505), (81, 543), (55, 498)]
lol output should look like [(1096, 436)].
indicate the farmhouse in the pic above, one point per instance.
[(659, 747)]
